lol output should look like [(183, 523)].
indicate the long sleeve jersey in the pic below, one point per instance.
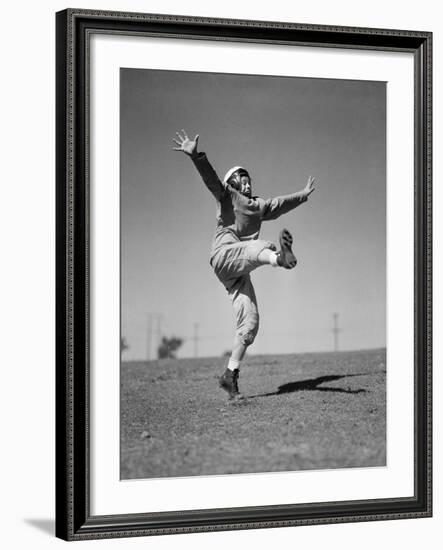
[(240, 217)]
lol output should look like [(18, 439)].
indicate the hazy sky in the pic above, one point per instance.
[(282, 130)]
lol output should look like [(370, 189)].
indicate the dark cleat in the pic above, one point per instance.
[(286, 257), (229, 382)]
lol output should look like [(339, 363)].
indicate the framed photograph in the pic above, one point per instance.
[(243, 278)]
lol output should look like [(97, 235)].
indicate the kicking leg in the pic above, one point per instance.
[(285, 255), (268, 257), (239, 259)]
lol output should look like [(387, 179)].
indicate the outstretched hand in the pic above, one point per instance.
[(309, 186), (186, 145)]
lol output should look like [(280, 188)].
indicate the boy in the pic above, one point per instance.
[(236, 249)]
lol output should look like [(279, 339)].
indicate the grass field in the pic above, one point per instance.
[(308, 411)]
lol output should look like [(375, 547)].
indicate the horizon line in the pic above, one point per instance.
[(380, 348)]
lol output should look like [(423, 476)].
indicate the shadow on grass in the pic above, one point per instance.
[(312, 385)]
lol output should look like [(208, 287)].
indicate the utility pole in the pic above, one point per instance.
[(149, 336), (159, 329), (196, 339), (335, 331), (154, 332)]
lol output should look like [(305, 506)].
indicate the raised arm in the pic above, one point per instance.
[(206, 171), (281, 205)]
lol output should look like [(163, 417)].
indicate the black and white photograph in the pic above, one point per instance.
[(253, 274), (220, 229)]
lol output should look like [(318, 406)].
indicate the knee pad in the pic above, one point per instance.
[(248, 336)]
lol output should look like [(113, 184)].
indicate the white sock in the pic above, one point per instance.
[(273, 259), (234, 364)]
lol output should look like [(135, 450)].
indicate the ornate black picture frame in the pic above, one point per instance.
[(73, 517)]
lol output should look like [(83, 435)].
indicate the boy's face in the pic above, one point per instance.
[(244, 183)]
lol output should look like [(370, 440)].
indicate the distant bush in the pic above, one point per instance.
[(168, 347), (123, 345)]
